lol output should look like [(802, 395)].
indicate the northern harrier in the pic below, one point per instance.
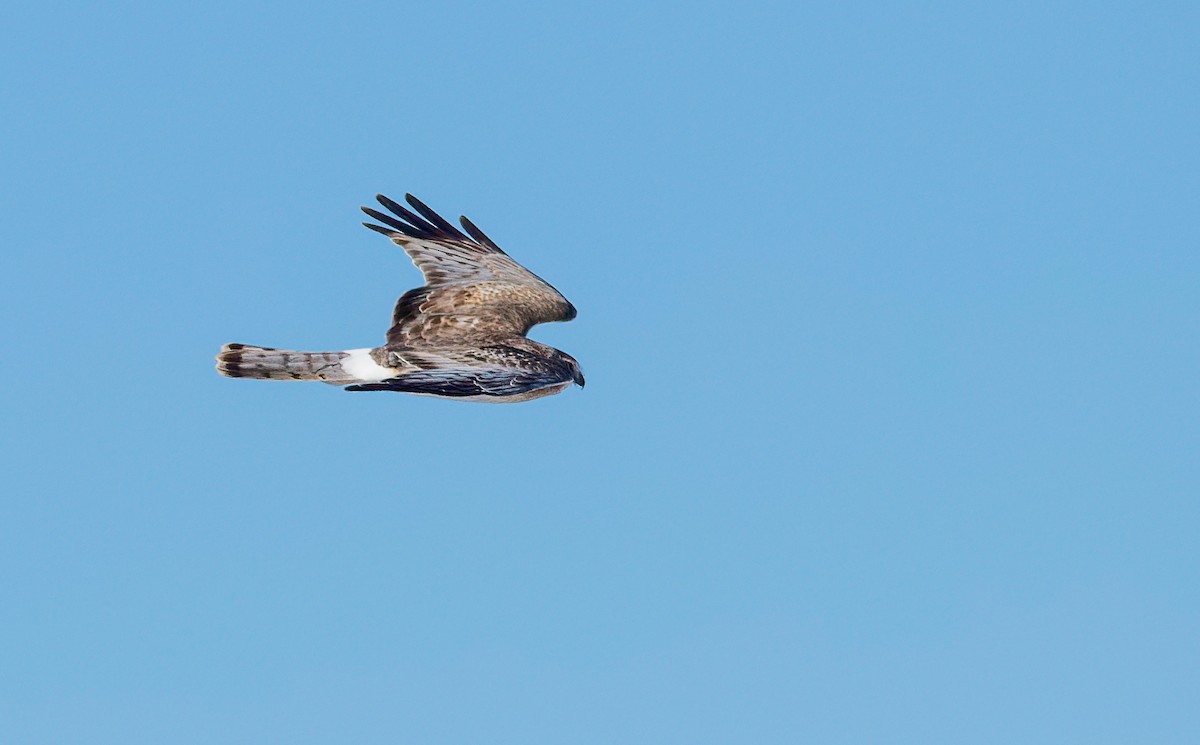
[(460, 336)]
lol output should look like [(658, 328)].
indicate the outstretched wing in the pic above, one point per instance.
[(473, 290), (498, 371)]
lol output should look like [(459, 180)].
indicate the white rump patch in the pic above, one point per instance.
[(365, 369)]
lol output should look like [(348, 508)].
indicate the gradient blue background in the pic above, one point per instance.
[(889, 318)]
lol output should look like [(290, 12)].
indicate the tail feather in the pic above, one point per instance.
[(265, 363)]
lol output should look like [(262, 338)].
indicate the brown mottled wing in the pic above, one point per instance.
[(473, 289), (496, 370)]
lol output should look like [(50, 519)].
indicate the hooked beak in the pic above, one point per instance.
[(578, 377)]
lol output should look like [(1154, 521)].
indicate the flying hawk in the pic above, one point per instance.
[(461, 336)]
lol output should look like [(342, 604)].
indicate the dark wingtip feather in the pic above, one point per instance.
[(434, 217), (423, 228), (393, 234), (397, 225), (477, 234)]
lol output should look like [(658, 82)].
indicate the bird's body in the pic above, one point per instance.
[(460, 336)]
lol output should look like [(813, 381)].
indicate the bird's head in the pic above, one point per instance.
[(573, 366)]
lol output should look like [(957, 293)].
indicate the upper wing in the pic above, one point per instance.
[(473, 288), (495, 371), (442, 252)]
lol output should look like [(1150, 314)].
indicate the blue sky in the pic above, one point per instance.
[(888, 316)]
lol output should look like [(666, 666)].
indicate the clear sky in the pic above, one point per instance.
[(889, 320)]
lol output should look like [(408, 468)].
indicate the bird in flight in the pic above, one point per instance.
[(461, 336)]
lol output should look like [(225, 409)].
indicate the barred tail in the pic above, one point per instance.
[(265, 363)]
